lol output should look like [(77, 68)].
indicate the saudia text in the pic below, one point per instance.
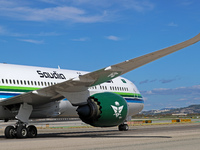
[(53, 75)]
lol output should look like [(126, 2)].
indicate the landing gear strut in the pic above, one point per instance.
[(20, 131), (123, 127)]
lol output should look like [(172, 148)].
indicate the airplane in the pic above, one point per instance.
[(101, 98)]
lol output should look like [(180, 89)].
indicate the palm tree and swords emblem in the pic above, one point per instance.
[(117, 109)]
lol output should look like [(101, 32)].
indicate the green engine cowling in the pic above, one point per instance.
[(104, 110)]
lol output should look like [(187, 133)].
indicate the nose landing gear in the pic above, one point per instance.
[(123, 127)]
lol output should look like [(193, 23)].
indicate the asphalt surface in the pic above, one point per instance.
[(76, 135)]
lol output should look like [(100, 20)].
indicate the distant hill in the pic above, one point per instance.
[(192, 109)]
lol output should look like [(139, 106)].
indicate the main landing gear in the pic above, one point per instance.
[(123, 127), (20, 130)]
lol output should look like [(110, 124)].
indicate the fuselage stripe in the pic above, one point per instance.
[(10, 91), (17, 89), (128, 94), (130, 100)]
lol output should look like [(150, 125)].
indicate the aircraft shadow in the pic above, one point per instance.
[(96, 134)]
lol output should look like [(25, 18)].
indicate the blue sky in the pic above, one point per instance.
[(91, 34)]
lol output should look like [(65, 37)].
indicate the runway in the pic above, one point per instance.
[(151, 137)]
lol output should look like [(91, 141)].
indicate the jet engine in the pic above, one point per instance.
[(104, 110)]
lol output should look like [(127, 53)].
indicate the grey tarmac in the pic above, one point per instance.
[(151, 137)]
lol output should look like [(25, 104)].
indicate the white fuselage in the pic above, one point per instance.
[(18, 79)]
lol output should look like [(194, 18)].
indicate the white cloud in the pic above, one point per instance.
[(172, 24), (7, 32), (138, 5), (163, 81), (143, 82), (79, 11), (2, 30), (186, 2), (63, 13), (192, 91), (112, 37), (3, 41), (81, 39), (32, 41), (145, 98), (47, 34), (169, 80), (7, 3)]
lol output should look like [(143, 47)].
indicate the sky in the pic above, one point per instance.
[(89, 35)]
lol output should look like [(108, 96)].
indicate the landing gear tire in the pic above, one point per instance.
[(123, 127), (32, 131), (10, 132), (22, 132)]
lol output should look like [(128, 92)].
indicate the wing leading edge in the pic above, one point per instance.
[(76, 89)]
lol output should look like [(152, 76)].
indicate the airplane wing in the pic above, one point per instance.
[(76, 89)]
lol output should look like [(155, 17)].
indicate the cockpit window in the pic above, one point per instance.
[(124, 81)]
